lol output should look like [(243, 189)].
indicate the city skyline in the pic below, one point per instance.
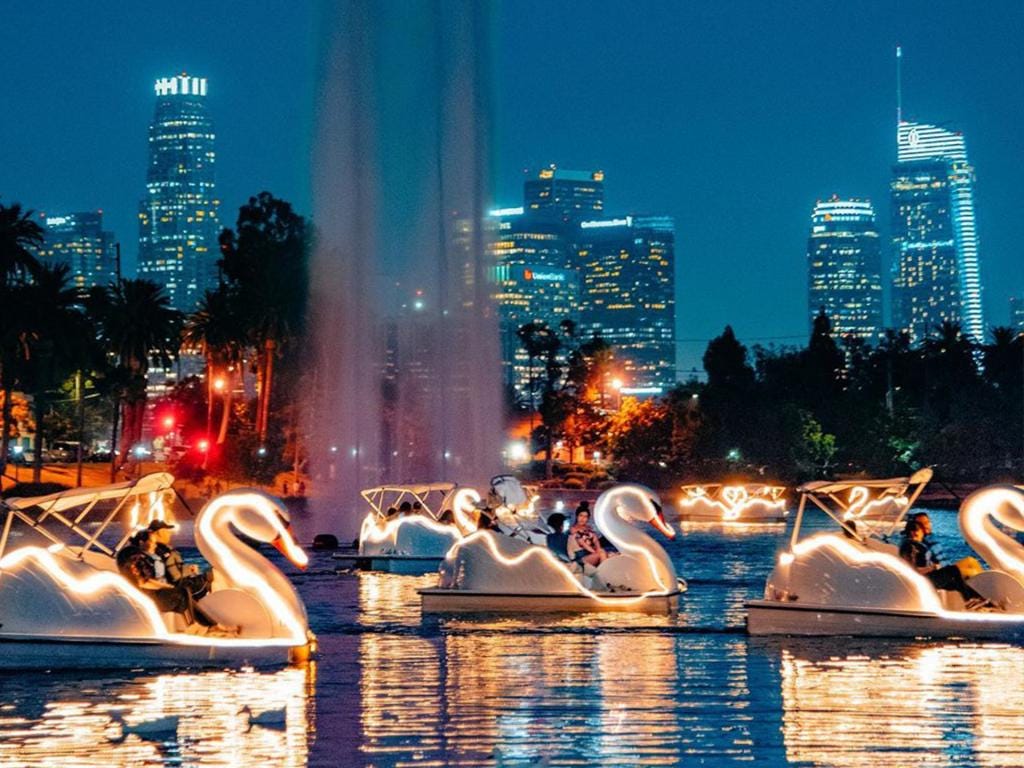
[(741, 248)]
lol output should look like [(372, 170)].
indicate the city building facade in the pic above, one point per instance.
[(1017, 312), (627, 295), (936, 272), (844, 268), (178, 217), (564, 195), (535, 281), (79, 241)]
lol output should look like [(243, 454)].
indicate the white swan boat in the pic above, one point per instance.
[(733, 503), (63, 602), (855, 583), (490, 572), (412, 543)]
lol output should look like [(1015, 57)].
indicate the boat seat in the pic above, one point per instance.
[(881, 546), (952, 600), (174, 622)]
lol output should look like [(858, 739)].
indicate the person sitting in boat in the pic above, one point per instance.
[(558, 542), (417, 508), (175, 571), (915, 551), (404, 509), (582, 537), (487, 521), (137, 562), (447, 517)]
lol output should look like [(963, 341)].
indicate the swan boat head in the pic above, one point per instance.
[(249, 591)]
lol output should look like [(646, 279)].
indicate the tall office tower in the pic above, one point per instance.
[(79, 241), (535, 281), (935, 266), (178, 224), (844, 268), (627, 295), (562, 195), (1017, 312)]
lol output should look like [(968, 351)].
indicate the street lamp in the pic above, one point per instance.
[(18, 451)]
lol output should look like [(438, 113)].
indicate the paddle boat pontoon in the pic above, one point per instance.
[(413, 542), (63, 602), (855, 583), (490, 572), (748, 503)]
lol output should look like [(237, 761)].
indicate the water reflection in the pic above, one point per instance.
[(909, 705), (193, 719)]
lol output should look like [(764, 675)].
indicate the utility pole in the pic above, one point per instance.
[(117, 261), (80, 395)]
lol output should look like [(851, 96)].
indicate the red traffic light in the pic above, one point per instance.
[(203, 445)]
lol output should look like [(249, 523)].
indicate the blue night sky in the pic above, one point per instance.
[(732, 116)]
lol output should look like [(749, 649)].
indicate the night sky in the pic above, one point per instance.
[(732, 116)]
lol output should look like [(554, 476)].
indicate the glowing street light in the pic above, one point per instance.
[(219, 384)]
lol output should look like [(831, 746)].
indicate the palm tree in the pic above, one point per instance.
[(20, 235), (217, 330), (56, 340), (137, 325)]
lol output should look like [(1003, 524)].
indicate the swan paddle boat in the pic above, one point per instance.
[(411, 543), (63, 603), (511, 505), (855, 583), (490, 572), (749, 503)]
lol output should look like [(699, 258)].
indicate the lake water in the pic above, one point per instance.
[(392, 689)]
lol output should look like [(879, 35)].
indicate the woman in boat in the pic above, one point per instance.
[(583, 538), (916, 552)]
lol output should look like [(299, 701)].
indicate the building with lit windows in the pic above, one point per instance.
[(563, 195), (535, 281), (79, 241), (936, 274), (178, 224), (1017, 312), (627, 295), (844, 268)]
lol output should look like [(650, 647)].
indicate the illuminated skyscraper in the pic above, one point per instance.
[(178, 223), (844, 268), (563, 195), (627, 295), (936, 274), (1017, 312), (79, 241), (535, 282)]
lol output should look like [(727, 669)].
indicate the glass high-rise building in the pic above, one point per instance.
[(844, 268), (1017, 312), (627, 295), (178, 224), (936, 274), (535, 281), (79, 241), (564, 195)]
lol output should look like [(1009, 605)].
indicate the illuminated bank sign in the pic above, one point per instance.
[(543, 277), (182, 85), (57, 221), (601, 223)]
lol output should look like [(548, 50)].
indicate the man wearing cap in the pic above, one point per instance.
[(175, 570)]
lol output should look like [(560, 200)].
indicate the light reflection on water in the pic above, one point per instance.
[(393, 688), (191, 719)]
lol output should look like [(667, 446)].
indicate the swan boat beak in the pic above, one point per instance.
[(285, 544), (658, 521)]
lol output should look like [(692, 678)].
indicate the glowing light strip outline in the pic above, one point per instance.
[(975, 512), (261, 504), (733, 510), (370, 532), (894, 564), (537, 550), (464, 500)]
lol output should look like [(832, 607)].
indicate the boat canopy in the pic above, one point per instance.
[(45, 520), (431, 497), (864, 508)]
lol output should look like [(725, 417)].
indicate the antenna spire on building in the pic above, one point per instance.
[(899, 86)]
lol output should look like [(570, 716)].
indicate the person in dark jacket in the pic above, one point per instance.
[(175, 570)]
